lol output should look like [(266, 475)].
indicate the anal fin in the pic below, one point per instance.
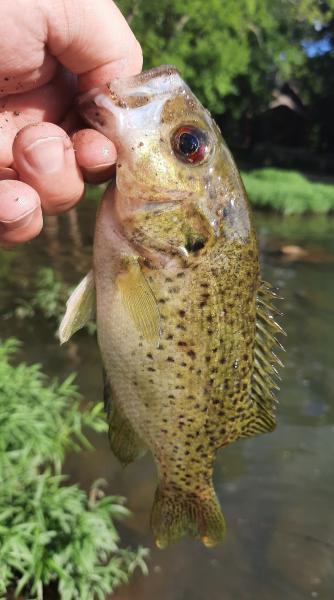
[(124, 441)]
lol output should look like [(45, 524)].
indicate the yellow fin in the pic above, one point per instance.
[(139, 299), (80, 308)]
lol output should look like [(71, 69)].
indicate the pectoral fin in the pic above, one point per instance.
[(139, 300), (80, 308)]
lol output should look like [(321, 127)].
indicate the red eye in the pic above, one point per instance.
[(190, 144)]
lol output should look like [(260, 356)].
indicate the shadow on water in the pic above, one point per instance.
[(276, 490)]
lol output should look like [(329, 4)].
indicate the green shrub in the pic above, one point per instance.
[(51, 533), (288, 192)]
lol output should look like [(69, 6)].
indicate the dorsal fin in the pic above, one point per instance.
[(265, 375)]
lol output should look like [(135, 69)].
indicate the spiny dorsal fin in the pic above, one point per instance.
[(139, 299), (80, 308), (265, 375)]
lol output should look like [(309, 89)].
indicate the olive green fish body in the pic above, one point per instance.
[(185, 325)]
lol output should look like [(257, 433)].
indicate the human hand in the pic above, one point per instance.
[(49, 51)]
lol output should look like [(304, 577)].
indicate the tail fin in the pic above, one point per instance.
[(176, 513)]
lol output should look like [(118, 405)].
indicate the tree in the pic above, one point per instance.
[(233, 53)]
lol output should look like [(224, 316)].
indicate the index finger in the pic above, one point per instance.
[(93, 40)]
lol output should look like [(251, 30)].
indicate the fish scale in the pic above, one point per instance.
[(185, 325)]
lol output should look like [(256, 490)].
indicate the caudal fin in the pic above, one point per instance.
[(176, 513)]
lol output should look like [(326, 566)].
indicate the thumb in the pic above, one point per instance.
[(92, 39)]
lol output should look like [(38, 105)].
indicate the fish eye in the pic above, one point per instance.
[(190, 144)]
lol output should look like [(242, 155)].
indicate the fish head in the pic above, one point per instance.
[(169, 148)]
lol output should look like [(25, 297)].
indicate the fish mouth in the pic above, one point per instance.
[(146, 76), (134, 91)]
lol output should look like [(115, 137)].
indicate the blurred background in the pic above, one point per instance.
[(265, 70)]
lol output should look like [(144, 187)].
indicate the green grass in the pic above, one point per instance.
[(288, 192), (53, 534)]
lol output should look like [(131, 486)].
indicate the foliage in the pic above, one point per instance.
[(288, 192), (315, 80), (47, 295), (232, 53), (52, 533)]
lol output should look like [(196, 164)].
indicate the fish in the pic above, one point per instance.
[(186, 327)]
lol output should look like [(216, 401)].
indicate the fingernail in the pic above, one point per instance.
[(47, 155), (17, 206), (7, 173), (101, 167), (21, 221)]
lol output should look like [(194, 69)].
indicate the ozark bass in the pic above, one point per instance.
[(184, 323)]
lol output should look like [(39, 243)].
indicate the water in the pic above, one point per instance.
[(276, 490)]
